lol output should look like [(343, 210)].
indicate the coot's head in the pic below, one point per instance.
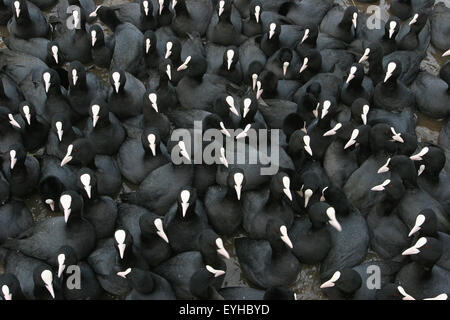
[(230, 58), (426, 252), (350, 17), (430, 160), (99, 113), (20, 11), (151, 225), (312, 61), (10, 287), (61, 124), (236, 181), (321, 213), (28, 112), (196, 67), (224, 9), (347, 281), (123, 242), (186, 201), (87, 183), (274, 31), (355, 75), (16, 157), (65, 257), (151, 140), (276, 233), (373, 52), (80, 151), (96, 36), (71, 204), (381, 138), (50, 189), (117, 79), (149, 42), (393, 71), (249, 108), (146, 7), (393, 188), (55, 56), (211, 245), (300, 142), (44, 282), (391, 28), (285, 56), (425, 224), (409, 144), (310, 34), (255, 10), (254, 70), (403, 166), (418, 21), (360, 110), (173, 50), (77, 75), (280, 186), (51, 81)]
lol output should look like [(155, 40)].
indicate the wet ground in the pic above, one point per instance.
[(308, 282)]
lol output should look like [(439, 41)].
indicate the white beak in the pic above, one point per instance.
[(161, 6), (12, 155), (355, 19), (285, 67), (351, 75), (331, 283), (216, 273), (121, 247), (446, 53), (415, 248), (169, 72), (352, 140), (93, 37), (51, 204), (257, 13), (183, 150), (160, 230), (365, 56), (414, 19), (333, 131), (6, 294), (68, 156), (418, 157), (304, 65), (243, 134), (185, 64), (254, 79), (221, 249), (385, 167), (285, 237), (74, 76), (417, 226), (308, 195), (13, 121), (380, 187), (305, 35), (331, 213)]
